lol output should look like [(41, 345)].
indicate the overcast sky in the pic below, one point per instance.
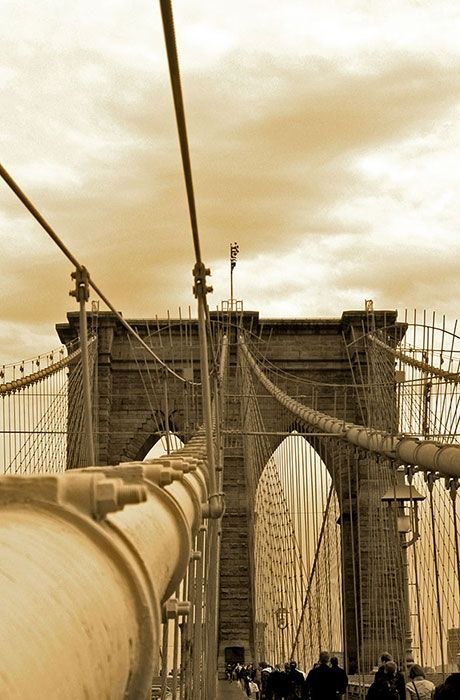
[(324, 139)]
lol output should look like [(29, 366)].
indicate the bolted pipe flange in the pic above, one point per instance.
[(162, 476), (110, 495), (174, 608), (195, 556), (184, 465), (130, 493)]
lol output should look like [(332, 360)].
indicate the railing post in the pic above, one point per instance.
[(212, 593), (198, 629), (215, 498), (81, 293)]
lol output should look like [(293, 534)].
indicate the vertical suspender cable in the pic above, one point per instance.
[(164, 658), (166, 422), (175, 652), (86, 385), (189, 621), (453, 495), (436, 571), (200, 272), (81, 293), (197, 632), (173, 62)]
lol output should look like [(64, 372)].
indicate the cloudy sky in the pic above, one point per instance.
[(324, 138)]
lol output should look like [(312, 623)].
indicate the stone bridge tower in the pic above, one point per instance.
[(127, 428)]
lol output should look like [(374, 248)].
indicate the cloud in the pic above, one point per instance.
[(261, 171), (427, 278), (304, 160)]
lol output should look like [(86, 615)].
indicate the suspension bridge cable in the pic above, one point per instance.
[(427, 455), (36, 214), (174, 74), (424, 366), (199, 272), (53, 235), (18, 384)]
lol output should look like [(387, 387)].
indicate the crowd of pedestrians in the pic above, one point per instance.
[(389, 684), (325, 681), (328, 681)]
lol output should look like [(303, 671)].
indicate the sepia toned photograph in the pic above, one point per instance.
[(229, 350)]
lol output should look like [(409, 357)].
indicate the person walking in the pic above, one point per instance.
[(276, 684), (229, 671), (399, 681), (418, 687), (341, 678), (385, 686), (450, 689), (265, 671), (295, 681), (321, 681)]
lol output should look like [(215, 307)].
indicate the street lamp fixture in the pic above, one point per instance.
[(405, 497), (282, 618)]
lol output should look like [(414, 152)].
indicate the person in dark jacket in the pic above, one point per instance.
[(450, 689), (400, 681), (265, 670), (295, 681), (341, 678), (276, 684), (321, 681), (385, 685)]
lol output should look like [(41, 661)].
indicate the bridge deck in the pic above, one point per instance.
[(229, 691)]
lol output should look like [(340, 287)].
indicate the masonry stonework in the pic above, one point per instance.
[(129, 422)]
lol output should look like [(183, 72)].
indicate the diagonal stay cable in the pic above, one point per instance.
[(174, 73), (179, 110), (53, 235), (200, 290), (36, 214)]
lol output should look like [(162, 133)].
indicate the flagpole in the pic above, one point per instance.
[(234, 250), (231, 279)]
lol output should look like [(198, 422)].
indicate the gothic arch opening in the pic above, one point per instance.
[(297, 557), (163, 446)]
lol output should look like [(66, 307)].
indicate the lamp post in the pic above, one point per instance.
[(282, 623), (404, 498)]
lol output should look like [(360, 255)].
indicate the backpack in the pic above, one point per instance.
[(383, 689)]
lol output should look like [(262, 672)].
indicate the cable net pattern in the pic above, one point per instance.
[(398, 587), (331, 564), (415, 375), (39, 400)]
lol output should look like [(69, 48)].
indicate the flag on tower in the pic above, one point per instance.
[(234, 250)]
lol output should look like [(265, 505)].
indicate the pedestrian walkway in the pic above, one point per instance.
[(229, 691)]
